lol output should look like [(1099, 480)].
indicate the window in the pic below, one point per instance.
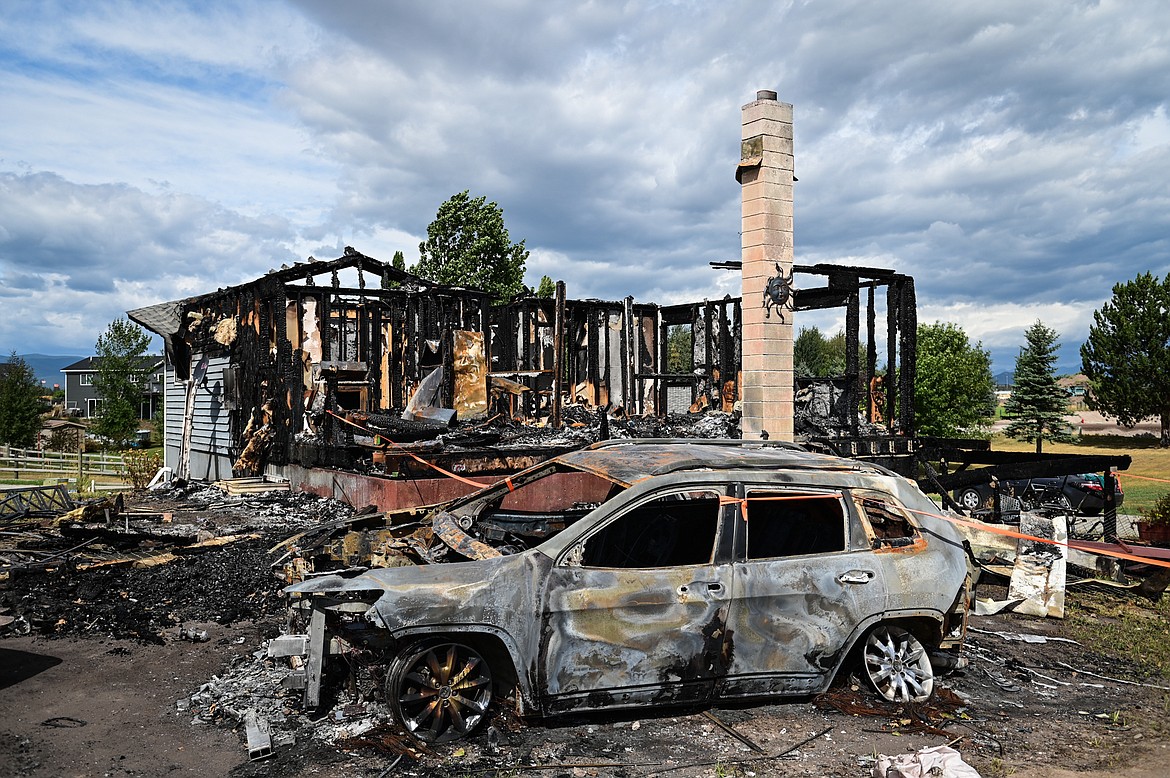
[(889, 523), (87, 379), (785, 523), (673, 530)]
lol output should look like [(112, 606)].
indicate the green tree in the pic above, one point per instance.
[(1127, 354), (952, 382), (680, 355), (468, 245), (1038, 404), (547, 287), (21, 404), (121, 378), (398, 263), (816, 356)]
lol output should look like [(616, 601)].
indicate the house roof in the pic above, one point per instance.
[(56, 424), (1080, 379), (90, 364)]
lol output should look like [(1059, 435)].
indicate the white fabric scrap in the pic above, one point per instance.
[(937, 762)]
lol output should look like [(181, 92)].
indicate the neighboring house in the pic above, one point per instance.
[(1078, 387), (82, 398)]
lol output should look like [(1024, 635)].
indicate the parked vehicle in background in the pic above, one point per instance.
[(648, 573), (1083, 494)]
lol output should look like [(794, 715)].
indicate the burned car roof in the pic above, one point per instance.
[(631, 461)]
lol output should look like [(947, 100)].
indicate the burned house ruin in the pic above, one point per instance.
[(345, 363)]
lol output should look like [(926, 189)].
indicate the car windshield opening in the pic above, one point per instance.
[(542, 505), (669, 531)]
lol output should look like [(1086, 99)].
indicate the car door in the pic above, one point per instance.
[(635, 611), (803, 580)]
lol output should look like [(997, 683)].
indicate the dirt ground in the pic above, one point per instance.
[(106, 685), (1095, 423)]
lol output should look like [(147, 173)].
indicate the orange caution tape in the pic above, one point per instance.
[(1067, 543), (1141, 478)]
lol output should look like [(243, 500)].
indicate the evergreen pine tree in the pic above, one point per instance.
[(1038, 405)]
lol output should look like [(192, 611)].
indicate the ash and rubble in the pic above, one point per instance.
[(145, 578), (1019, 673), (188, 596)]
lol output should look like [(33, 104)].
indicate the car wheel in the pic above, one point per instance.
[(897, 665), (970, 499), (440, 691)]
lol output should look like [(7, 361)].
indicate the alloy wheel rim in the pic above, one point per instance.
[(444, 692), (898, 666)]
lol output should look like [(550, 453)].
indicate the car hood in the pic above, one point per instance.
[(502, 593)]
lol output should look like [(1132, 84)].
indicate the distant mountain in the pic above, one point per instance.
[(47, 367)]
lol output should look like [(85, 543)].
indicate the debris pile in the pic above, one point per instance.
[(223, 585), (192, 555), (254, 689)]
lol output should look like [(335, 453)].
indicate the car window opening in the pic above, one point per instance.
[(891, 525), (675, 530), (782, 524)]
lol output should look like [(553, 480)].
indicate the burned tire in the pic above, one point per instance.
[(970, 499), (439, 690), (897, 666)]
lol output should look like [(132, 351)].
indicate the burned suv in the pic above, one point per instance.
[(651, 572)]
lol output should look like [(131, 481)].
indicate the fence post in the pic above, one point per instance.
[(80, 460)]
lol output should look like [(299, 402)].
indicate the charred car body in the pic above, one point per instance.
[(652, 572)]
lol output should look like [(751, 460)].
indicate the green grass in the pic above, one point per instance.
[(1149, 461), (1126, 628)]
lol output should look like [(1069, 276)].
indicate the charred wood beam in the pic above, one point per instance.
[(870, 353), (1011, 471), (527, 333), (908, 334), (852, 316), (817, 298), (623, 351), (288, 382), (862, 272), (558, 352), (893, 387)]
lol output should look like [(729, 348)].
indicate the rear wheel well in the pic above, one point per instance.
[(927, 630)]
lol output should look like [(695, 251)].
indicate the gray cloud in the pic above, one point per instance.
[(1012, 157)]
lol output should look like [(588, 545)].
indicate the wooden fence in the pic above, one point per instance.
[(28, 464)]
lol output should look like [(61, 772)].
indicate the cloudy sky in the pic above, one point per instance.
[(1013, 157)]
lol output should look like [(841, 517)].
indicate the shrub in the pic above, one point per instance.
[(141, 466), (1159, 512)]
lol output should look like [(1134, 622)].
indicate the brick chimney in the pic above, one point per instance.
[(765, 176)]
